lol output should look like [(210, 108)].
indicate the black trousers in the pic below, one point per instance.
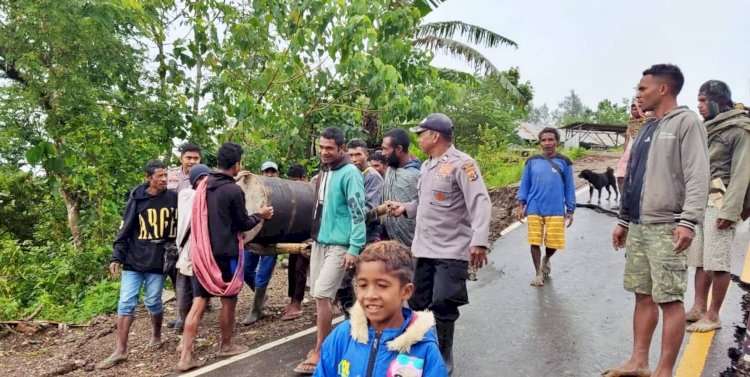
[(299, 267), (440, 286)]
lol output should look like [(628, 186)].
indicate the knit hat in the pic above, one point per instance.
[(198, 171), (718, 96)]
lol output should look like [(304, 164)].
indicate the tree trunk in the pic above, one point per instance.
[(73, 205)]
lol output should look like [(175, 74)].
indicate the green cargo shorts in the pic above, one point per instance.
[(652, 267)]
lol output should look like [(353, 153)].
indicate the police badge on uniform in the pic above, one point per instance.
[(471, 171)]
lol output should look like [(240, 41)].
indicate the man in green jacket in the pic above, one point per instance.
[(338, 229), (729, 152)]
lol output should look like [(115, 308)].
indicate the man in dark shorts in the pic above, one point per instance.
[(226, 216)]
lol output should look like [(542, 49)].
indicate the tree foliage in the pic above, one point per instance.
[(572, 110), (89, 91)]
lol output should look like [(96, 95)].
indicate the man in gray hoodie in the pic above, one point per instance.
[(663, 199), (400, 183)]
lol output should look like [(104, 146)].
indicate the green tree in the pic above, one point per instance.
[(608, 112), (541, 115), (91, 90), (489, 105), (571, 110)]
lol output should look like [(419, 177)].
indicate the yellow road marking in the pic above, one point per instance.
[(696, 352)]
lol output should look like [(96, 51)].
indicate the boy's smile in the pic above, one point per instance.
[(381, 294)]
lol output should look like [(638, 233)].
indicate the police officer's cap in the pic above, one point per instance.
[(435, 122)]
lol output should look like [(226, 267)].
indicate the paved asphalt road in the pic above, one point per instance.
[(578, 324)]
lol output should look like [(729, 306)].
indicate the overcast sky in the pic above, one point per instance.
[(600, 47)]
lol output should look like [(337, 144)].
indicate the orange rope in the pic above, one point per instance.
[(204, 265)]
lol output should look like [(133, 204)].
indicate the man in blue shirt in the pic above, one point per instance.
[(547, 197)]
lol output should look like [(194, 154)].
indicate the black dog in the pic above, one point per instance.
[(600, 180)]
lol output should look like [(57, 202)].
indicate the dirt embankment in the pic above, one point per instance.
[(75, 351)]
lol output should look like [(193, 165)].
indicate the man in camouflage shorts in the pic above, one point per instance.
[(663, 198), (651, 245)]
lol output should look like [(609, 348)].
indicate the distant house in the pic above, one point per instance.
[(594, 135), (530, 131)]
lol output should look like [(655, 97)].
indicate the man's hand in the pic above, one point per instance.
[(569, 217), (350, 261), (266, 212), (723, 224), (478, 256), (396, 209), (619, 236), (683, 237), (114, 269), (306, 252), (521, 210)]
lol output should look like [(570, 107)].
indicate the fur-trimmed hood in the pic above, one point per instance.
[(416, 329)]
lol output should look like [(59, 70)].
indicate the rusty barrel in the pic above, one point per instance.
[(292, 202)]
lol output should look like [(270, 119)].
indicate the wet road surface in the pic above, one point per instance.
[(578, 324)]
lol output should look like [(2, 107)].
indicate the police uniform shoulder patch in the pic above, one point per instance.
[(471, 171)]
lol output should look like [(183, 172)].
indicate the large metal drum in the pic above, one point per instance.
[(293, 203)]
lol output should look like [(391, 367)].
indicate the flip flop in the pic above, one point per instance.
[(292, 315), (155, 346), (704, 327), (306, 368)]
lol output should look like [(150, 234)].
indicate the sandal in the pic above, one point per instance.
[(306, 368)]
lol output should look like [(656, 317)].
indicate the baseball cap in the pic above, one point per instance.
[(269, 165), (435, 122), (198, 171)]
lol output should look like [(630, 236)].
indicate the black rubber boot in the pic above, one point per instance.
[(256, 312), (445, 343)]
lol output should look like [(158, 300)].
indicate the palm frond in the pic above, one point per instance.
[(473, 33), (470, 55), (427, 6), (458, 76)]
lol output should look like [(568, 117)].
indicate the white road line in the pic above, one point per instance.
[(255, 351)]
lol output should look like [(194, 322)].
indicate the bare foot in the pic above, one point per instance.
[(694, 315), (154, 344), (628, 369), (546, 267), (112, 360), (192, 364), (234, 349), (704, 325), (538, 281)]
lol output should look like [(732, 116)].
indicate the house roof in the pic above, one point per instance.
[(530, 131), (596, 127)]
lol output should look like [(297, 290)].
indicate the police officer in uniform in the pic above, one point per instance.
[(453, 224)]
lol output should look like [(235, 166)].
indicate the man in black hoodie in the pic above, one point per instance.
[(227, 216), (148, 224)]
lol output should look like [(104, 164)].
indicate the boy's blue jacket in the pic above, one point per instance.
[(411, 350)]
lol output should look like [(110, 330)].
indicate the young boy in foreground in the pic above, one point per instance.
[(382, 338)]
